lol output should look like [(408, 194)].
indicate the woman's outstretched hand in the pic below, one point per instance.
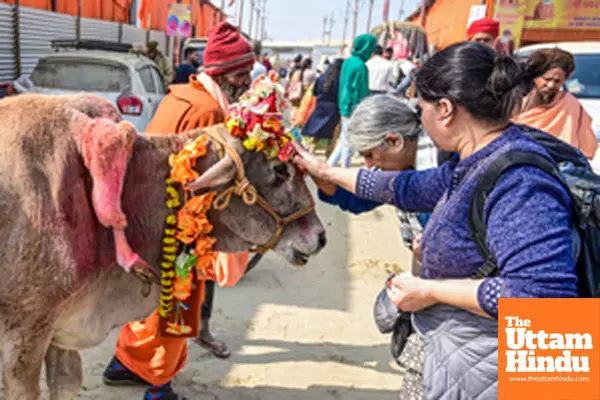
[(328, 178), (307, 161), (315, 167)]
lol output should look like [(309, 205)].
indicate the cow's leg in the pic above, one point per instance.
[(23, 355), (63, 373)]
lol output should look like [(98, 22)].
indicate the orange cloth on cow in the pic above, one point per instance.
[(155, 359), (229, 268), (566, 119)]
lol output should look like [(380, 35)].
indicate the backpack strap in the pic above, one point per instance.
[(482, 191)]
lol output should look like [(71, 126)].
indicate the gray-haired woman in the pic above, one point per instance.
[(387, 132)]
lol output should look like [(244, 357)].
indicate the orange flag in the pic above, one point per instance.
[(143, 12)]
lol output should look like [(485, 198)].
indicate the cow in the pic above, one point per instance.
[(82, 213)]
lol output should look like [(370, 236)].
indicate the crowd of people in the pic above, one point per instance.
[(424, 152), (471, 100)]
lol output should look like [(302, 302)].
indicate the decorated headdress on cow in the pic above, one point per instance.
[(260, 118)]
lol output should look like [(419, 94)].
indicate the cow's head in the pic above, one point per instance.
[(241, 226)]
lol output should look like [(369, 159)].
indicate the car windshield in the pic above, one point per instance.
[(86, 75), (585, 81)]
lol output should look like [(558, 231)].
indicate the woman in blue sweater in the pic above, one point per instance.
[(468, 96)]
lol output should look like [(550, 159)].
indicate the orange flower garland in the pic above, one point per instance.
[(190, 226), (183, 163)]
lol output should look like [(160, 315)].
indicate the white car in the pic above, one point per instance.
[(584, 83), (131, 82)]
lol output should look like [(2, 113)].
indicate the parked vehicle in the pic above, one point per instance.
[(584, 83), (131, 81)]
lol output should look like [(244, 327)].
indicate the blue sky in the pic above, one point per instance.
[(303, 19)]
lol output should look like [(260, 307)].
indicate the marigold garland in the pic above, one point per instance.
[(170, 247), (259, 121), (190, 227)]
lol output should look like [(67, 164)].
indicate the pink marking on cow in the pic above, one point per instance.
[(126, 257), (106, 149), (303, 223)]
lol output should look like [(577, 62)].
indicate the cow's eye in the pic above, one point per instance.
[(281, 173)]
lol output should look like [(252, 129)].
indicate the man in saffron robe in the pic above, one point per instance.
[(142, 357), (552, 110)]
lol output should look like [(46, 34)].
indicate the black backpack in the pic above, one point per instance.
[(575, 172)]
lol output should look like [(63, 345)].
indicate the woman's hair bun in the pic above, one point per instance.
[(508, 74)]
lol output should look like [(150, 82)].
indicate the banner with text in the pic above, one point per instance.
[(511, 15), (549, 349), (573, 14), (179, 21)]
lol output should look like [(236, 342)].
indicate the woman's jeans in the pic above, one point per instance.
[(343, 150)]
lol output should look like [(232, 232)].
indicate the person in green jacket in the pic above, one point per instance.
[(354, 87)]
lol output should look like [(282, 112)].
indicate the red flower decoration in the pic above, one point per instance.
[(255, 119), (287, 152)]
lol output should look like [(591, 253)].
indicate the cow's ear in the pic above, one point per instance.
[(220, 173)]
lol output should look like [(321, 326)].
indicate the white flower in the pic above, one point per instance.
[(258, 133)]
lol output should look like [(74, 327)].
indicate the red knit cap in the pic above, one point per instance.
[(226, 50), (485, 25)]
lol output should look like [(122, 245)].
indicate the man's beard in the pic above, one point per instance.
[(545, 98), (233, 93)]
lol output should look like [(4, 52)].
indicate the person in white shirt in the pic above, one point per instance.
[(380, 72)]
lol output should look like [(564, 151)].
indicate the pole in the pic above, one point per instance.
[(324, 27), (264, 20), (222, 11), (331, 23), (370, 15), (257, 20), (251, 17), (355, 27), (78, 22), (401, 10), (16, 31), (148, 29), (120, 32), (241, 22), (346, 14)]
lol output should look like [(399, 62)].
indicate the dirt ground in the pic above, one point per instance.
[(295, 333)]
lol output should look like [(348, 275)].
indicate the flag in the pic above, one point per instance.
[(143, 13), (231, 3), (386, 11)]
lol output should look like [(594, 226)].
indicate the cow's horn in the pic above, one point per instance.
[(219, 174)]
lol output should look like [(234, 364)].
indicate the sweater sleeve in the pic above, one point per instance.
[(348, 201), (528, 219), (414, 191)]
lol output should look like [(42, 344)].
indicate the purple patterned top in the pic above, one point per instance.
[(528, 218)]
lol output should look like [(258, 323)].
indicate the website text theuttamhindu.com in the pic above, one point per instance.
[(531, 378)]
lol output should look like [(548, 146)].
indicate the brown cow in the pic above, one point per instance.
[(62, 289)]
